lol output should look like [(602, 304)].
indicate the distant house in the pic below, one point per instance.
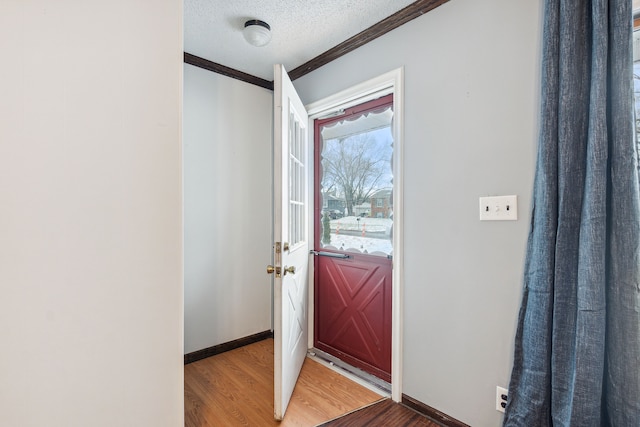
[(333, 204), (381, 205), (363, 209)]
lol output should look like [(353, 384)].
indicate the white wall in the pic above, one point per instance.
[(90, 213), (228, 199), (471, 105)]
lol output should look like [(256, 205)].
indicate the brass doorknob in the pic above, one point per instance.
[(291, 270), (270, 269)]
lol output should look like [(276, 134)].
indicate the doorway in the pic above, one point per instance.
[(390, 83), (293, 231), (353, 228)]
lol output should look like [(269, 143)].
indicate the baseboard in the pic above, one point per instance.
[(432, 413), (221, 348)]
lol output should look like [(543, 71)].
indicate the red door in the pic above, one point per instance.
[(353, 311), (353, 235)]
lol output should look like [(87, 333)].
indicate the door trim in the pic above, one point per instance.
[(391, 82)]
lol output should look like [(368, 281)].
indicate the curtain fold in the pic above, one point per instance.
[(577, 348)]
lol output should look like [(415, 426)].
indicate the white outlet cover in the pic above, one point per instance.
[(499, 392), (499, 208)]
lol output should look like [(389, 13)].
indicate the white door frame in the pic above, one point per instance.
[(391, 82)]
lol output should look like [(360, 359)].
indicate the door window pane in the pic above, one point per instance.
[(297, 174), (356, 181)]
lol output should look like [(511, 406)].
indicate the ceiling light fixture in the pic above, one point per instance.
[(256, 32)]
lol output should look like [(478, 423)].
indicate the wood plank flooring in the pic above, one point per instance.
[(384, 413), (236, 389)]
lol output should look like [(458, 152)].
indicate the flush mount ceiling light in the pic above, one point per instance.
[(256, 32)]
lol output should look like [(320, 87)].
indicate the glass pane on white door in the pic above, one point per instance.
[(297, 181)]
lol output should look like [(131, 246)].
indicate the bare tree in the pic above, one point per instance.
[(357, 166)]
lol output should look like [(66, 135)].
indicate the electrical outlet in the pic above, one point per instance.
[(499, 208), (501, 398)]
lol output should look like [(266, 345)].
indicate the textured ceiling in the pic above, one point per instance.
[(301, 29)]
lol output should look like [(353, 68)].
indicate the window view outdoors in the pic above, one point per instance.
[(356, 183)]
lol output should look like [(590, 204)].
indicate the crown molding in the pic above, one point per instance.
[(226, 71), (414, 10)]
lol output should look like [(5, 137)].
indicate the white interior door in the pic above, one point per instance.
[(291, 240)]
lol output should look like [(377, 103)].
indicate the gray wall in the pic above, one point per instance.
[(227, 207), (91, 325), (471, 103)]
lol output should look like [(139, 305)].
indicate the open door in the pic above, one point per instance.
[(291, 240)]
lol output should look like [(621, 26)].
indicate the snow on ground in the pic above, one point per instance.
[(370, 225), (345, 242), (367, 235)]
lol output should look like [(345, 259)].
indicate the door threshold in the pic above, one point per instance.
[(356, 375)]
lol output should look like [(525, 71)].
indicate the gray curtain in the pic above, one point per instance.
[(577, 350)]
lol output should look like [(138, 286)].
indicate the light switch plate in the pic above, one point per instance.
[(499, 208)]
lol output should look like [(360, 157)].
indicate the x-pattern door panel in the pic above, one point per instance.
[(353, 311)]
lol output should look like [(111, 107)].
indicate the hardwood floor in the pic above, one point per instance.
[(384, 413), (236, 389)]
